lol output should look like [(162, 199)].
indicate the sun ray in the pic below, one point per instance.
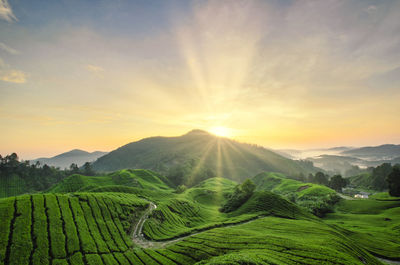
[(227, 160), (202, 159)]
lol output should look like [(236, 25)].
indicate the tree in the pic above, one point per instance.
[(87, 169), (321, 178), (379, 175), (240, 195), (31, 177), (337, 182), (74, 168), (248, 187), (393, 180), (181, 189)]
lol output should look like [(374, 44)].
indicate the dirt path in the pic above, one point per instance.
[(388, 261), (139, 239), (345, 197)]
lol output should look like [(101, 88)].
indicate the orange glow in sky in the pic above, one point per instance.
[(274, 73)]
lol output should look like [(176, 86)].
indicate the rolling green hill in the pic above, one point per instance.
[(138, 178), (364, 181), (198, 155), (374, 223), (316, 198), (134, 217)]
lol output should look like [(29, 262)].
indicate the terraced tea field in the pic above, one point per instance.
[(152, 224), (64, 229)]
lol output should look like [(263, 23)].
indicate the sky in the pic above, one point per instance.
[(96, 75)]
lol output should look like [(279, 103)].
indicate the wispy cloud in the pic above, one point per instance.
[(8, 49), (6, 12), (7, 74), (13, 76), (95, 69)]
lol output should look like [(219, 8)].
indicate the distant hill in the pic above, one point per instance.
[(199, 155), (335, 164), (303, 154), (139, 178), (76, 156), (381, 152)]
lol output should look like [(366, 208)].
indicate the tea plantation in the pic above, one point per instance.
[(91, 220)]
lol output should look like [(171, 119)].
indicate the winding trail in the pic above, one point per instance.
[(388, 261), (139, 239)]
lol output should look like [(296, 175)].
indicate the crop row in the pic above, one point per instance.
[(64, 229), (176, 217)]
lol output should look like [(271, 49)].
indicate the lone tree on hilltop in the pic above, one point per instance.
[(240, 195)]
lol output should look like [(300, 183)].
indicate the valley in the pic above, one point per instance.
[(134, 217)]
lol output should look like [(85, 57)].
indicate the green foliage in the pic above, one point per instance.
[(6, 216), (317, 199), (272, 240), (21, 241), (394, 181), (180, 189), (337, 183), (373, 223), (62, 229), (379, 176), (87, 169), (41, 239), (122, 180), (21, 177), (240, 195), (320, 178), (94, 227)]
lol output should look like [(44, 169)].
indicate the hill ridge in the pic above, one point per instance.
[(198, 155)]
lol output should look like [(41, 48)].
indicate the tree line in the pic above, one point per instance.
[(26, 177), (380, 178)]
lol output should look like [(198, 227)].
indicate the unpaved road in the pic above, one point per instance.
[(139, 239), (388, 261)]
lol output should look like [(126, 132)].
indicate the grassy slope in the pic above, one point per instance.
[(280, 184), (92, 229), (306, 195), (363, 180), (139, 178), (374, 224)]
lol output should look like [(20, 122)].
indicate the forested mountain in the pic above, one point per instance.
[(381, 152), (199, 155), (75, 156)]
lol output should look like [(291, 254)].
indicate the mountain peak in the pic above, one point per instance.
[(76, 151), (198, 132)]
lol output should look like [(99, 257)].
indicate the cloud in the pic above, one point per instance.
[(94, 68), (6, 12), (13, 76), (8, 49), (7, 74)]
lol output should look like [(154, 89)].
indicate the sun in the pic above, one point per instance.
[(221, 131)]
